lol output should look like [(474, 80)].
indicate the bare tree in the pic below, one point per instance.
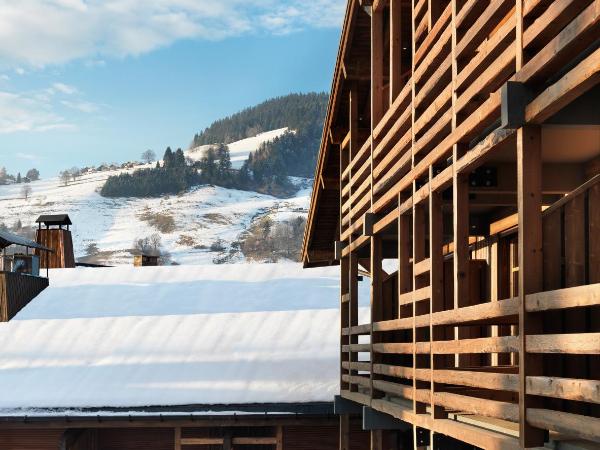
[(75, 172), (148, 156), (26, 191), (65, 177)]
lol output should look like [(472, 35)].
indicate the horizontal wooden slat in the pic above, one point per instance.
[(474, 405), (574, 297), (482, 312), (356, 348), (503, 344), (356, 397), (393, 325), (415, 296), (393, 371), (485, 380), (395, 347), (565, 388), (202, 441), (573, 425), (575, 343), (360, 366), (360, 380), (254, 440)]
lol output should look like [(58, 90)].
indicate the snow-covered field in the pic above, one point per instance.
[(201, 217), (165, 336)]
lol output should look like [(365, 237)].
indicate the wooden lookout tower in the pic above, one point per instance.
[(53, 232)]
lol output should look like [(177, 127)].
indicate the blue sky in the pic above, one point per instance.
[(85, 82)]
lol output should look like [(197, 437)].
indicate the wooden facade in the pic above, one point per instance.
[(16, 291), (309, 433), (460, 170)]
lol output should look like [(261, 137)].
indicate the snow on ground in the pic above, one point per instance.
[(202, 216), (196, 335), (240, 150)]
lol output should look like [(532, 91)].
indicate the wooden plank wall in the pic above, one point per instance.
[(61, 242), (16, 291)]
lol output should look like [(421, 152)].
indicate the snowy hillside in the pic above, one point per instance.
[(204, 224), (239, 150)]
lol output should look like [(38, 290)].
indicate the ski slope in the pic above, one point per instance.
[(201, 217), (240, 150)]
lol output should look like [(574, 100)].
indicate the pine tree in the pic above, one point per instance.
[(179, 158), (19, 177), (168, 158)]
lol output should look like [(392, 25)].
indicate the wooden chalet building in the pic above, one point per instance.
[(459, 170), (128, 359)]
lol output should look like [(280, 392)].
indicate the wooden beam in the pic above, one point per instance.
[(396, 68), (578, 80), (177, 438), (573, 425), (376, 67), (529, 187), (565, 388), (344, 432)]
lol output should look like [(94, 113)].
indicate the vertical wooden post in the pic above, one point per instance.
[(436, 282), (376, 66), (344, 432), (376, 440), (353, 310), (279, 437), (529, 198), (395, 49), (376, 302), (460, 193), (344, 316), (177, 438), (227, 442)]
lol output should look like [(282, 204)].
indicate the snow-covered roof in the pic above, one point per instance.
[(167, 336)]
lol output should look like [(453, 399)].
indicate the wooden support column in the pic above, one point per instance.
[(353, 311), (376, 440), (376, 66), (344, 432), (420, 307), (404, 251), (376, 304), (395, 49), (227, 442), (177, 438), (529, 195), (344, 315), (436, 282), (279, 437), (461, 256)]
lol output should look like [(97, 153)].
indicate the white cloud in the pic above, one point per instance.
[(20, 71), (43, 32), (82, 106), (21, 112), (27, 156), (64, 88)]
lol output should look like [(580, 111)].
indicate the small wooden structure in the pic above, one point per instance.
[(460, 169), (19, 275), (57, 236), (143, 260)]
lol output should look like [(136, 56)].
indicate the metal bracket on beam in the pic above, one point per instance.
[(423, 437), (369, 220), (338, 247), (514, 98), (342, 406), (376, 420)]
